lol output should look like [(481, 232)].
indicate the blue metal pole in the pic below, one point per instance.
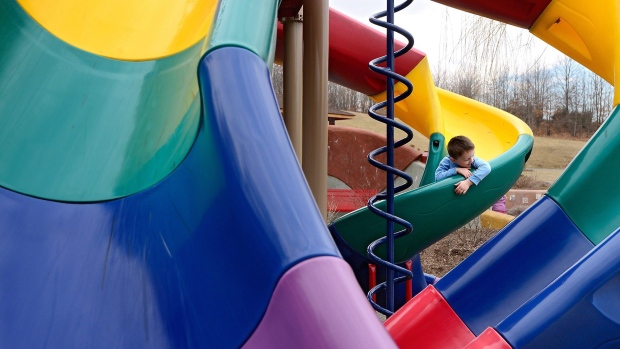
[(391, 190), (390, 158)]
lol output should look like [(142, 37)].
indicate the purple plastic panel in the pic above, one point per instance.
[(318, 304)]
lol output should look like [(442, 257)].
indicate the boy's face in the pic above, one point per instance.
[(465, 160)]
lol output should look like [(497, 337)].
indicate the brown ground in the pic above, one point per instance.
[(446, 253)]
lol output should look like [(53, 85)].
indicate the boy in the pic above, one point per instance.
[(461, 160)]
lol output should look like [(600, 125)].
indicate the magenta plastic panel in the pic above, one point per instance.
[(318, 304)]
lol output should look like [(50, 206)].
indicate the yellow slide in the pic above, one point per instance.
[(586, 31), (432, 110), (433, 209)]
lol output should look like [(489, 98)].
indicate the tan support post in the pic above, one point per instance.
[(316, 36), (293, 80)]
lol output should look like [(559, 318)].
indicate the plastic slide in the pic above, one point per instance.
[(433, 209), (550, 278), (138, 208)]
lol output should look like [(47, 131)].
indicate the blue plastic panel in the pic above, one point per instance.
[(190, 262), (518, 262), (581, 309)]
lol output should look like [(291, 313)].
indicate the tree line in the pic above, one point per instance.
[(564, 99), (339, 97), (509, 69), (496, 64)]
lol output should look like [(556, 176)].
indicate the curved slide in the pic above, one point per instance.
[(138, 209), (550, 278), (433, 209)]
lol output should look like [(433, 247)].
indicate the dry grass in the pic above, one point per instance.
[(550, 157), (530, 180), (553, 153), (448, 252), (543, 174)]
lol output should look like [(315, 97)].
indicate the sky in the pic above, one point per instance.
[(425, 20)]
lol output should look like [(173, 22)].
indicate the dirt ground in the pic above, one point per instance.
[(446, 253)]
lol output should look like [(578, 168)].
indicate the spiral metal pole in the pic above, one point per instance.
[(388, 167)]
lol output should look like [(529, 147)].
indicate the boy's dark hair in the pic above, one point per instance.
[(458, 145)]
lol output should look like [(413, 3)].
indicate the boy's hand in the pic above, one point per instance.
[(465, 172), (462, 187)]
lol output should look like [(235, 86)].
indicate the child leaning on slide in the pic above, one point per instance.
[(461, 160)]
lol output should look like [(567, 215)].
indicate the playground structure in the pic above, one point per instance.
[(139, 207), (351, 179)]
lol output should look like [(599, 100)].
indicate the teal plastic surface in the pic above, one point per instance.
[(586, 188), (79, 127), (248, 24), (436, 152), (434, 209)]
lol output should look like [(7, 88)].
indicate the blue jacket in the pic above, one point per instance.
[(447, 168)]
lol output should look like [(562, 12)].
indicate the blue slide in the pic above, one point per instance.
[(204, 232), (205, 257), (551, 277)]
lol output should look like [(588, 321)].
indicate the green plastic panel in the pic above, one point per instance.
[(248, 24), (587, 190), (79, 127), (436, 152), (434, 209)]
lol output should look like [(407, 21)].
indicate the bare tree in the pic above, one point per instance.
[(466, 83), (538, 85), (339, 97), (566, 74), (342, 98), (601, 96)]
